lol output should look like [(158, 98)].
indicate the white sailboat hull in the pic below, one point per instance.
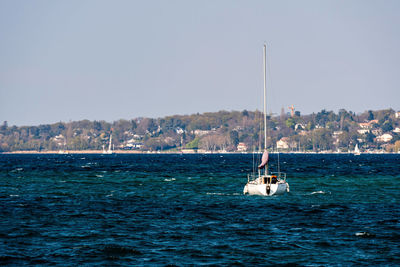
[(279, 188)]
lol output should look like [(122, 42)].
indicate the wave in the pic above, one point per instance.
[(363, 234), (86, 167), (317, 192)]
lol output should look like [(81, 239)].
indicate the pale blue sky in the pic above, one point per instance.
[(107, 60)]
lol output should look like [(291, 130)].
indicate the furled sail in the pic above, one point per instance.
[(264, 160)]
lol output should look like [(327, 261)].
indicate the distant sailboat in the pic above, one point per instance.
[(62, 152), (109, 151), (357, 150), (266, 184)]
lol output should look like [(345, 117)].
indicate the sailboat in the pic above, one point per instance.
[(356, 150), (265, 183), (109, 151)]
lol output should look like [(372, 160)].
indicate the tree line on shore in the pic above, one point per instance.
[(213, 131)]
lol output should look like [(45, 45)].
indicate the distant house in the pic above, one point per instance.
[(59, 139), (201, 132), (138, 136), (138, 145), (367, 125), (397, 130), (283, 143), (133, 144), (384, 138), (336, 134), (241, 147), (128, 133), (179, 130), (397, 114), (363, 131)]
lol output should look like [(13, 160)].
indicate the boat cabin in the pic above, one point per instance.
[(270, 179)]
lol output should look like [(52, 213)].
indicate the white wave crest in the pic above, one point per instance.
[(318, 192), (362, 234)]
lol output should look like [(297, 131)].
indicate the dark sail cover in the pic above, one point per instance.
[(264, 160)]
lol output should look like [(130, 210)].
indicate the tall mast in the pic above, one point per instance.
[(265, 96), (265, 105)]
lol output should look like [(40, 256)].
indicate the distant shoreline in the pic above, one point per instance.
[(100, 152)]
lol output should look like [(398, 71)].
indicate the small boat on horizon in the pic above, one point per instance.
[(356, 150), (110, 150)]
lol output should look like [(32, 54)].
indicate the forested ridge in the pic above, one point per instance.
[(215, 131)]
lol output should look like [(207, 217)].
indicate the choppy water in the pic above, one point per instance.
[(189, 209)]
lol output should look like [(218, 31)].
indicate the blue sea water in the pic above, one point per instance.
[(190, 210)]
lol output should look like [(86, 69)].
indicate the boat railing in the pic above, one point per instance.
[(279, 176)]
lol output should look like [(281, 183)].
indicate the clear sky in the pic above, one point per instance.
[(110, 60)]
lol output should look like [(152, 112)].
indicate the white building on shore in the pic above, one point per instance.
[(384, 138), (241, 147), (283, 143)]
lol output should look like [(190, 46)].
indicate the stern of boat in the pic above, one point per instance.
[(266, 185)]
